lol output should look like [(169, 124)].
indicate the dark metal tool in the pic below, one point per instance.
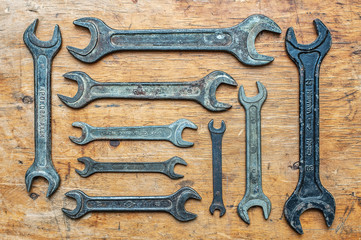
[(202, 91), (173, 204), (309, 192), (166, 167), (171, 133), (216, 136), (238, 40), (254, 195), (43, 53)]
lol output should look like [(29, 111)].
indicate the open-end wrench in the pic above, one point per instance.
[(238, 40), (216, 136), (43, 53), (254, 195), (166, 167), (202, 91), (173, 204), (171, 133), (309, 192)]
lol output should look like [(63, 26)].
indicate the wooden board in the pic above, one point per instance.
[(31, 215)]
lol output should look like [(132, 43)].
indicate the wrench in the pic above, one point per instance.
[(202, 91), (309, 192), (173, 204), (238, 40), (171, 133), (43, 53), (216, 136), (166, 167), (254, 195)]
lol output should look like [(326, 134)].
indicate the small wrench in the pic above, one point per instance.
[(43, 53), (202, 91), (171, 133), (238, 40), (166, 167), (309, 192), (216, 136), (173, 204), (254, 195)]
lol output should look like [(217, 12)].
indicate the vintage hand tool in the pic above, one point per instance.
[(238, 40), (309, 192), (254, 195), (216, 136), (171, 133), (202, 91), (173, 204), (43, 54), (166, 167)]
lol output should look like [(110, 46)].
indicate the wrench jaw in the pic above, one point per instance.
[(85, 136), (258, 99), (89, 165), (180, 197), (217, 206), (178, 127), (220, 130), (170, 164), (246, 203), (80, 209)]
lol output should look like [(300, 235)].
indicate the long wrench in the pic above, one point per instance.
[(254, 195), (309, 192), (166, 167), (43, 53), (216, 136), (171, 133), (173, 204), (238, 40), (202, 91)]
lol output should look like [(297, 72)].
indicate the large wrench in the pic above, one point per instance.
[(171, 133), (166, 167), (238, 40), (254, 195), (216, 136), (202, 91), (173, 204), (309, 192), (43, 54)]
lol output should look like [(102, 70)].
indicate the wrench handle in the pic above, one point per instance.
[(217, 163), (132, 167)]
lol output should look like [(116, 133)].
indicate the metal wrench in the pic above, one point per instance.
[(171, 133), (254, 195), (43, 53), (166, 167), (238, 40), (173, 204), (216, 136), (309, 192), (202, 91)]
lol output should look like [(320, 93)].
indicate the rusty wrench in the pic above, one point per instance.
[(238, 40), (43, 53), (309, 192)]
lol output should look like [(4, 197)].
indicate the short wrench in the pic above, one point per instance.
[(173, 204), (254, 195), (309, 192), (216, 136), (238, 40), (202, 91), (43, 53), (166, 167), (171, 133)]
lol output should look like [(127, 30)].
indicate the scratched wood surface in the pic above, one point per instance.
[(31, 215)]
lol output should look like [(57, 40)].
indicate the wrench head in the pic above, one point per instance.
[(246, 203), (82, 97), (80, 209), (178, 127), (217, 206), (249, 101), (89, 163), (220, 130), (85, 136), (170, 164), (179, 199)]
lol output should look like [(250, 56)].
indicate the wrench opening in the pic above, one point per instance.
[(178, 127), (85, 135)]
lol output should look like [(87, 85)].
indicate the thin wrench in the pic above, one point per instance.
[(238, 40)]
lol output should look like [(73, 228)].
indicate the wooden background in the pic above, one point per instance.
[(31, 215)]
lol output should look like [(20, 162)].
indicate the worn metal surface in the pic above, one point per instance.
[(173, 204), (171, 133), (238, 40), (166, 167), (43, 53), (202, 91), (254, 195), (309, 192), (216, 136)]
